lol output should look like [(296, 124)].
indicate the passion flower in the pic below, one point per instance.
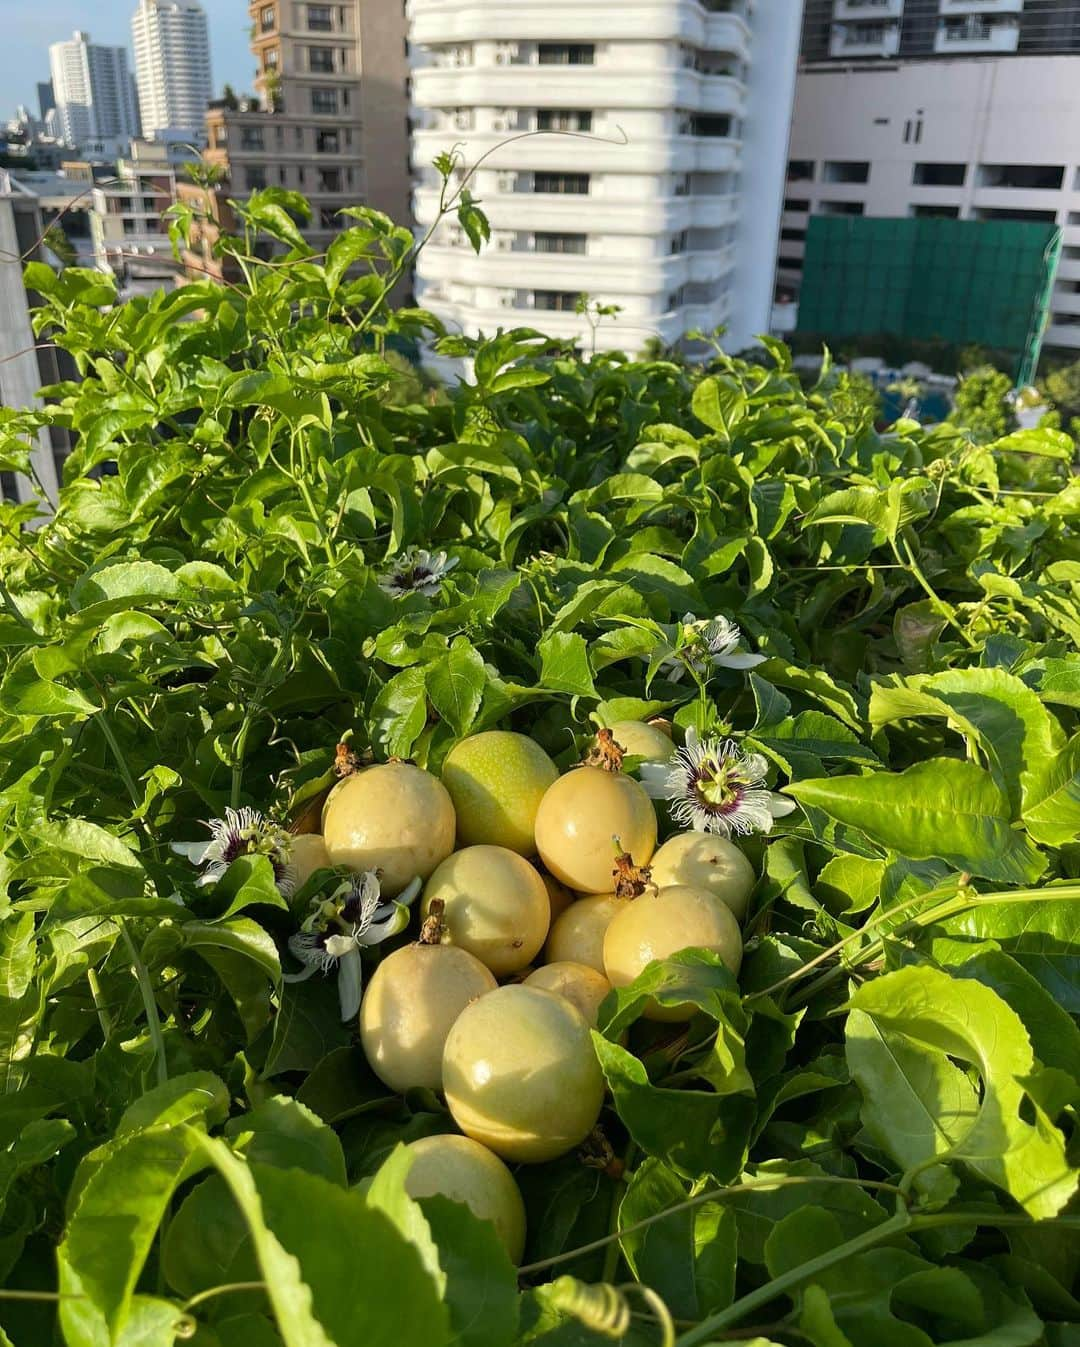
[(702, 645), (331, 937), (417, 572), (242, 832), (713, 786)]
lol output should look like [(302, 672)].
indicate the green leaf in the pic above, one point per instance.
[(455, 684), (112, 1230), (1043, 938), (688, 1257), (969, 1023), (564, 664), (283, 1132), (481, 1283), (694, 1132), (25, 691), (198, 1095), (938, 808), (308, 1026)]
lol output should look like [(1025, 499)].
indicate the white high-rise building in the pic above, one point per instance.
[(172, 67), (666, 201), (95, 95)]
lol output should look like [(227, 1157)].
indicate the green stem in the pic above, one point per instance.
[(618, 1190), (146, 988), (709, 1195), (764, 1295), (99, 1005), (901, 1223)]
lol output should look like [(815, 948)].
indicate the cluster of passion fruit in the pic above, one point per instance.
[(521, 866)]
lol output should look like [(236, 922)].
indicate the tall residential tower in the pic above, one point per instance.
[(664, 200), (172, 67), (95, 95)]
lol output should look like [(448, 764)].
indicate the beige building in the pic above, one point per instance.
[(332, 119), (129, 236), (988, 139)]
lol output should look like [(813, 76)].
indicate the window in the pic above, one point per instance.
[(800, 170), (326, 142), (329, 180), (939, 175), (321, 60), (1065, 320), (679, 241), (560, 243), (324, 101), (563, 119), (1027, 177), (841, 208), (267, 18), (846, 170), (279, 136), (793, 235), (935, 212), (566, 184), (566, 53), (557, 301), (1014, 213), (281, 176), (270, 58), (298, 136), (255, 179), (712, 126), (1073, 218), (251, 138), (796, 203), (328, 217), (319, 19), (345, 99)]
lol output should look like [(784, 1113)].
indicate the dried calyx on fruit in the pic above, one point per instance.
[(630, 880), (605, 752)]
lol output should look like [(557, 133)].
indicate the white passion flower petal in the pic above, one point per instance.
[(713, 786), (350, 983)]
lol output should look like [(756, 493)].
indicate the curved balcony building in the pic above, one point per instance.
[(632, 150)]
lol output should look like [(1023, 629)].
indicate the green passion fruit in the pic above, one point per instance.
[(462, 1170), (704, 861), (394, 818), (579, 819), (411, 1002), (661, 923), (496, 780), (495, 905), (520, 1074)]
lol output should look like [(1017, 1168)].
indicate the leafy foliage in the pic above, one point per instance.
[(870, 1139)]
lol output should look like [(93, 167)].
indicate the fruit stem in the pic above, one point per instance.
[(605, 753), (433, 928)]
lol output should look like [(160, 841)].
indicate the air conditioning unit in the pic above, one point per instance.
[(506, 182), (506, 300), (498, 124), (463, 120), (506, 52), (503, 242)]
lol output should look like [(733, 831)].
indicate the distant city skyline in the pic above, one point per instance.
[(29, 31)]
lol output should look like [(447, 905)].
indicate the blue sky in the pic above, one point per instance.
[(28, 26)]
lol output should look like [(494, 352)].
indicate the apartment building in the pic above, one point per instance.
[(987, 139), (332, 115), (172, 68), (859, 30), (128, 235), (663, 200), (95, 95)]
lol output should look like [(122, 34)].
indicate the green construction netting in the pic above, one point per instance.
[(955, 280)]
